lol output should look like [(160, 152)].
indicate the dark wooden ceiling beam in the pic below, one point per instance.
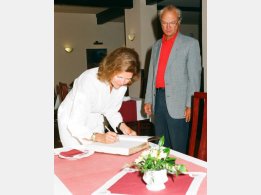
[(109, 14), (97, 3), (152, 2), (184, 9)]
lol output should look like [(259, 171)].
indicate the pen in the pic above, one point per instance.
[(110, 130)]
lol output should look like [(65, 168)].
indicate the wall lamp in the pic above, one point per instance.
[(131, 36), (97, 43), (68, 49)]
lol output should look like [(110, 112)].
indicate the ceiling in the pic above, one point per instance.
[(113, 10)]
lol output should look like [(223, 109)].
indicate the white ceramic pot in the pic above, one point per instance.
[(155, 180)]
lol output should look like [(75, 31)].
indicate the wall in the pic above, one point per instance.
[(80, 31), (138, 20)]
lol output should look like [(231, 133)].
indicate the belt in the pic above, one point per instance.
[(160, 89)]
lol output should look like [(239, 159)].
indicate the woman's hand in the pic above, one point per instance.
[(107, 138), (132, 132), (127, 130)]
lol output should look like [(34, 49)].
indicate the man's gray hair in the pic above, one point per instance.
[(171, 8)]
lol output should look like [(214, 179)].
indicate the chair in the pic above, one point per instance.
[(63, 90), (129, 112), (198, 136)]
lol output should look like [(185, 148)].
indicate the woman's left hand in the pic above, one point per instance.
[(127, 130), (132, 132)]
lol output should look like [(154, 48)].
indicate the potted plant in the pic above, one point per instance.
[(155, 163)]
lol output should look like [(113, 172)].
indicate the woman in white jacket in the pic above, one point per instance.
[(96, 93)]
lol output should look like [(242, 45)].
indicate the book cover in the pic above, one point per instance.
[(126, 145)]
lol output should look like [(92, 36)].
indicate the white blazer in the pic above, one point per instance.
[(81, 112)]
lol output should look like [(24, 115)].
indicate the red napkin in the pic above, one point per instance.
[(71, 153)]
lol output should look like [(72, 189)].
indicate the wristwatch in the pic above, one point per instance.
[(93, 137)]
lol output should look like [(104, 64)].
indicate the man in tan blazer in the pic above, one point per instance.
[(174, 76)]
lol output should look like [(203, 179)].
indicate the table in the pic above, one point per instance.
[(141, 115), (84, 176)]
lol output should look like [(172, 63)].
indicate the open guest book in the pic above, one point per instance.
[(126, 145)]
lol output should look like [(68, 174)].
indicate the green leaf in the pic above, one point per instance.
[(181, 168), (161, 141), (170, 159), (166, 150)]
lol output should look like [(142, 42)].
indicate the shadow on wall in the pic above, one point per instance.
[(155, 23), (144, 74)]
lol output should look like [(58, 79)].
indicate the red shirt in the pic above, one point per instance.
[(166, 47)]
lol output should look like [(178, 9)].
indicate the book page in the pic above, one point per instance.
[(123, 147), (134, 138)]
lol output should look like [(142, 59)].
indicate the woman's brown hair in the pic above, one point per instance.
[(122, 59)]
